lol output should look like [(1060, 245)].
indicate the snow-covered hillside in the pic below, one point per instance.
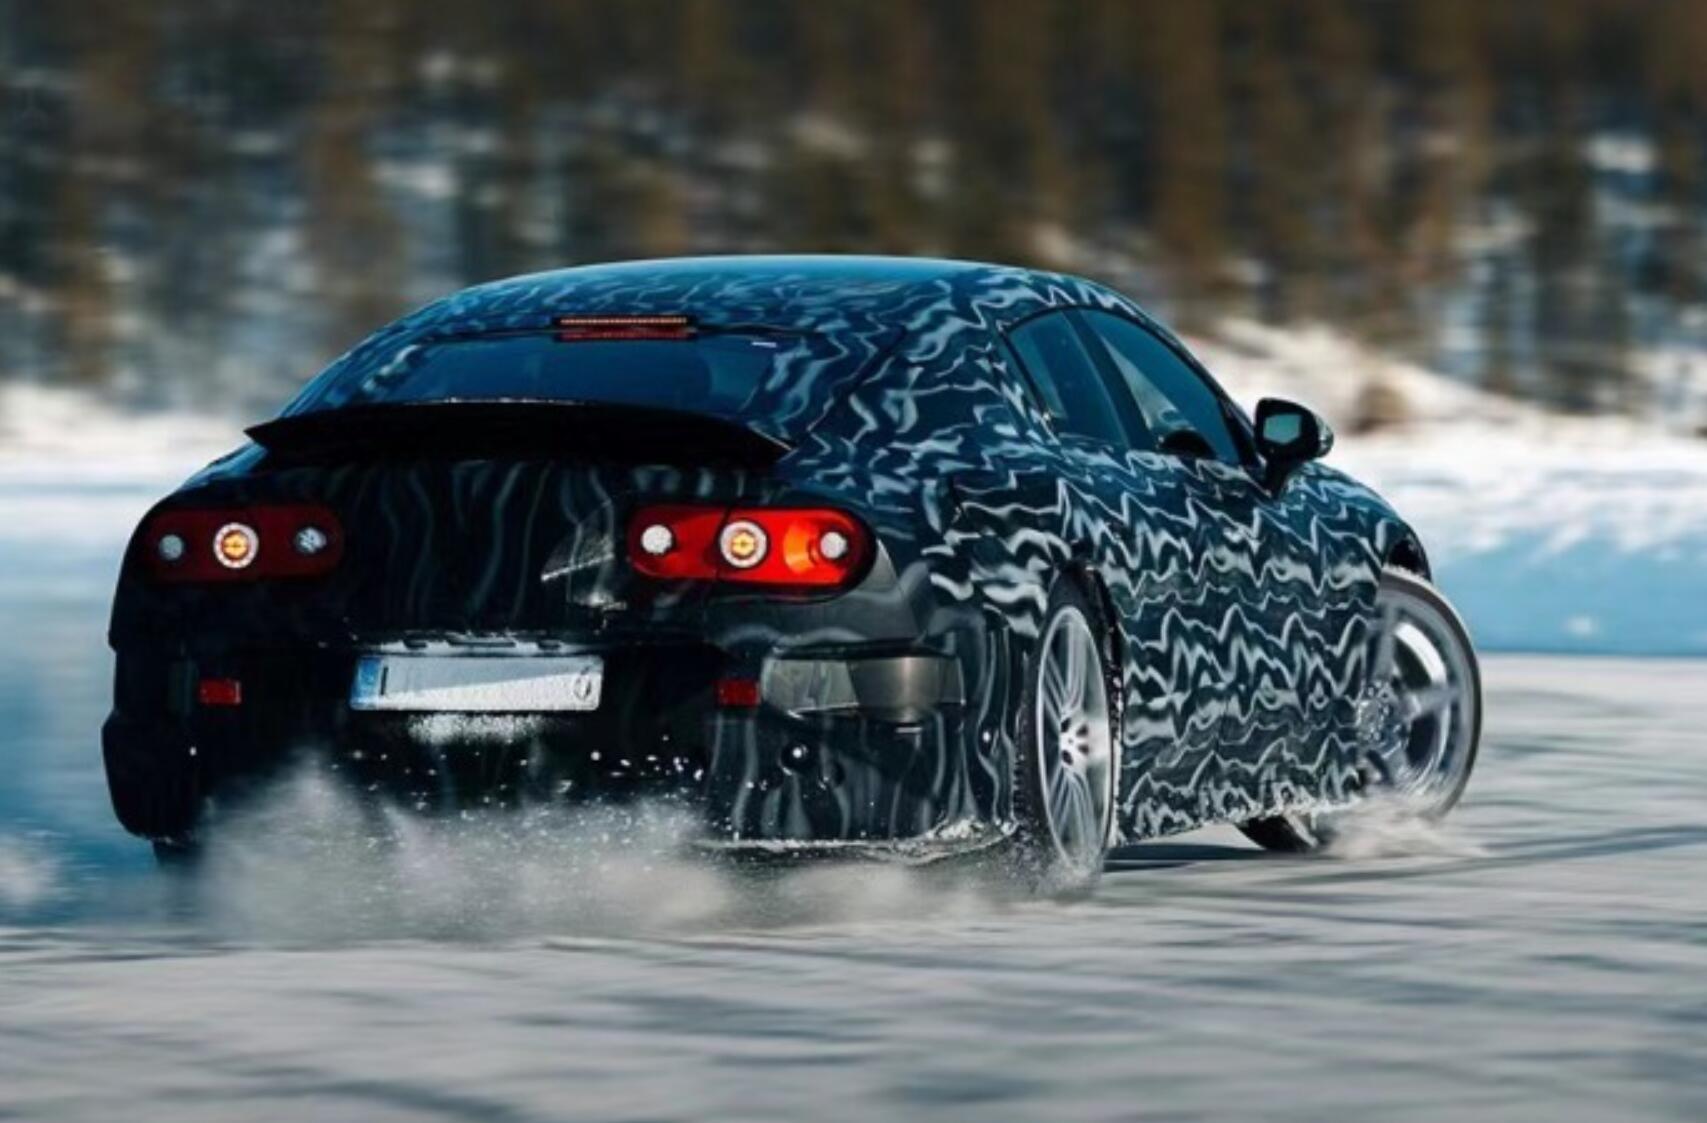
[(1552, 533)]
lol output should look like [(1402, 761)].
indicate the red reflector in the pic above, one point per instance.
[(583, 329), (219, 692), (737, 693)]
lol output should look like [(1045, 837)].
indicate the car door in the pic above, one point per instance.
[(1259, 575), (1139, 511)]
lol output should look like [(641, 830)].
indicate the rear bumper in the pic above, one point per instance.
[(848, 748)]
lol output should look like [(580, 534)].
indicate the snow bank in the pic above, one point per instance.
[(79, 473), (59, 436)]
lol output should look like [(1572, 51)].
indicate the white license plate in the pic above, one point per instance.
[(475, 684)]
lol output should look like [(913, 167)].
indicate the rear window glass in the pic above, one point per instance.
[(718, 374)]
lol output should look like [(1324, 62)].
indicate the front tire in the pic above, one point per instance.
[(1067, 761), (1420, 717)]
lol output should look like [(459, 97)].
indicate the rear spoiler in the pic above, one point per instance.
[(599, 431)]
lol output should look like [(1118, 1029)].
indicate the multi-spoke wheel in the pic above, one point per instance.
[(1420, 716), (1064, 790)]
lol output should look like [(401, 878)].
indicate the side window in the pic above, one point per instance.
[(1170, 394), (1072, 388)]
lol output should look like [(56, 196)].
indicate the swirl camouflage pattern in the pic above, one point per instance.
[(480, 475)]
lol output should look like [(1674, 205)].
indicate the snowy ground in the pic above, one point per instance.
[(1551, 533), (1540, 958)]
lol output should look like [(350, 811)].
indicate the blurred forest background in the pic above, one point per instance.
[(201, 201)]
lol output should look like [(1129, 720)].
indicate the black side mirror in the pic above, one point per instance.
[(1289, 436)]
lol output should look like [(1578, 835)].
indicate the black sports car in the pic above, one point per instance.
[(866, 555)]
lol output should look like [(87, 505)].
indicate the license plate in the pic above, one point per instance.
[(475, 684)]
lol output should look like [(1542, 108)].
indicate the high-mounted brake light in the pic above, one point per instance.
[(241, 544), (794, 547), (584, 329)]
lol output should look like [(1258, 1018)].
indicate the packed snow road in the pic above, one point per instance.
[(1544, 957)]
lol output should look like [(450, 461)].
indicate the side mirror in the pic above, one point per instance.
[(1289, 436)]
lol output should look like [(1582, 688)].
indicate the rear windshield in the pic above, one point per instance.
[(778, 382)]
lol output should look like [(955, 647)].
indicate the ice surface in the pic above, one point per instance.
[(1545, 962)]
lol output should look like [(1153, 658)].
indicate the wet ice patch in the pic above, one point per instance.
[(1392, 827)]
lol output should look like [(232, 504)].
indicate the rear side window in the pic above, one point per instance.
[(1171, 395), (1072, 389)]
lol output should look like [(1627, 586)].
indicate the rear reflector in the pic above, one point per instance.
[(737, 693), (584, 329), (219, 692)]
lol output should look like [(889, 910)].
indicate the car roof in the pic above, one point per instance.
[(808, 292), (864, 303), (827, 270)]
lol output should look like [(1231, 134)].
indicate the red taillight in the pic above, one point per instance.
[(586, 329), (798, 547), (242, 544)]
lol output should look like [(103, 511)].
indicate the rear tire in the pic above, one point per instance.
[(177, 855), (1421, 714), (1066, 766)]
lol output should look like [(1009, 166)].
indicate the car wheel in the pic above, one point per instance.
[(1064, 787), (177, 854), (1419, 720)]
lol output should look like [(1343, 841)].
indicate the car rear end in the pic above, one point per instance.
[(583, 559)]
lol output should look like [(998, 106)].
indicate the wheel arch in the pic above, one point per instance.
[(1090, 583), (1407, 553), (1084, 576)]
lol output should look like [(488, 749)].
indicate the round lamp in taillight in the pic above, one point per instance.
[(743, 544), (235, 545)]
